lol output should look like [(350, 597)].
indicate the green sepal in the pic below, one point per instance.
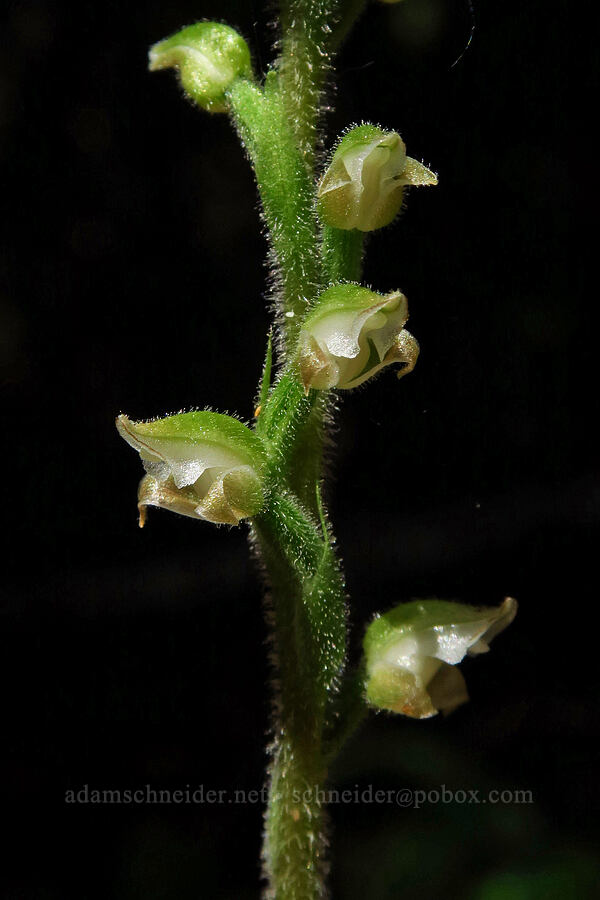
[(309, 595), (200, 427), (358, 136), (341, 297), (420, 615)]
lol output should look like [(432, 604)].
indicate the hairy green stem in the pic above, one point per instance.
[(308, 617), (315, 708), (307, 603), (307, 458), (347, 713), (342, 253), (295, 841), (306, 27), (282, 419), (301, 563), (286, 192)]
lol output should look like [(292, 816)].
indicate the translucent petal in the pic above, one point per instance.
[(416, 174), (448, 689)]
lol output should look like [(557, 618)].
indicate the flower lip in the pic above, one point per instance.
[(225, 497)]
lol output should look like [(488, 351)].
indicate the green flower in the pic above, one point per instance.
[(351, 334), (199, 464), (411, 653), (364, 185)]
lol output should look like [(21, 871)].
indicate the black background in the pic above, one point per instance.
[(132, 280)]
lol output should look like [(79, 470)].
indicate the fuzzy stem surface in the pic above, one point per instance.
[(286, 192), (306, 27), (307, 614)]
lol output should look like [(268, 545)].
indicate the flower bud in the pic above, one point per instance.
[(199, 464), (411, 653), (364, 184), (351, 334), (209, 57)]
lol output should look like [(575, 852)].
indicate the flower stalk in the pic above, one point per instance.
[(331, 334)]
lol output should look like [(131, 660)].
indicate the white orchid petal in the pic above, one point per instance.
[(338, 333), (453, 641), (189, 461), (384, 335)]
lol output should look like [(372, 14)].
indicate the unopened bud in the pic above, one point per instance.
[(209, 58)]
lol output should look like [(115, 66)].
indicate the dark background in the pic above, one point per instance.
[(132, 280)]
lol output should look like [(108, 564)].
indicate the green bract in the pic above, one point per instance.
[(411, 652), (364, 184), (209, 57), (351, 334), (199, 464)]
